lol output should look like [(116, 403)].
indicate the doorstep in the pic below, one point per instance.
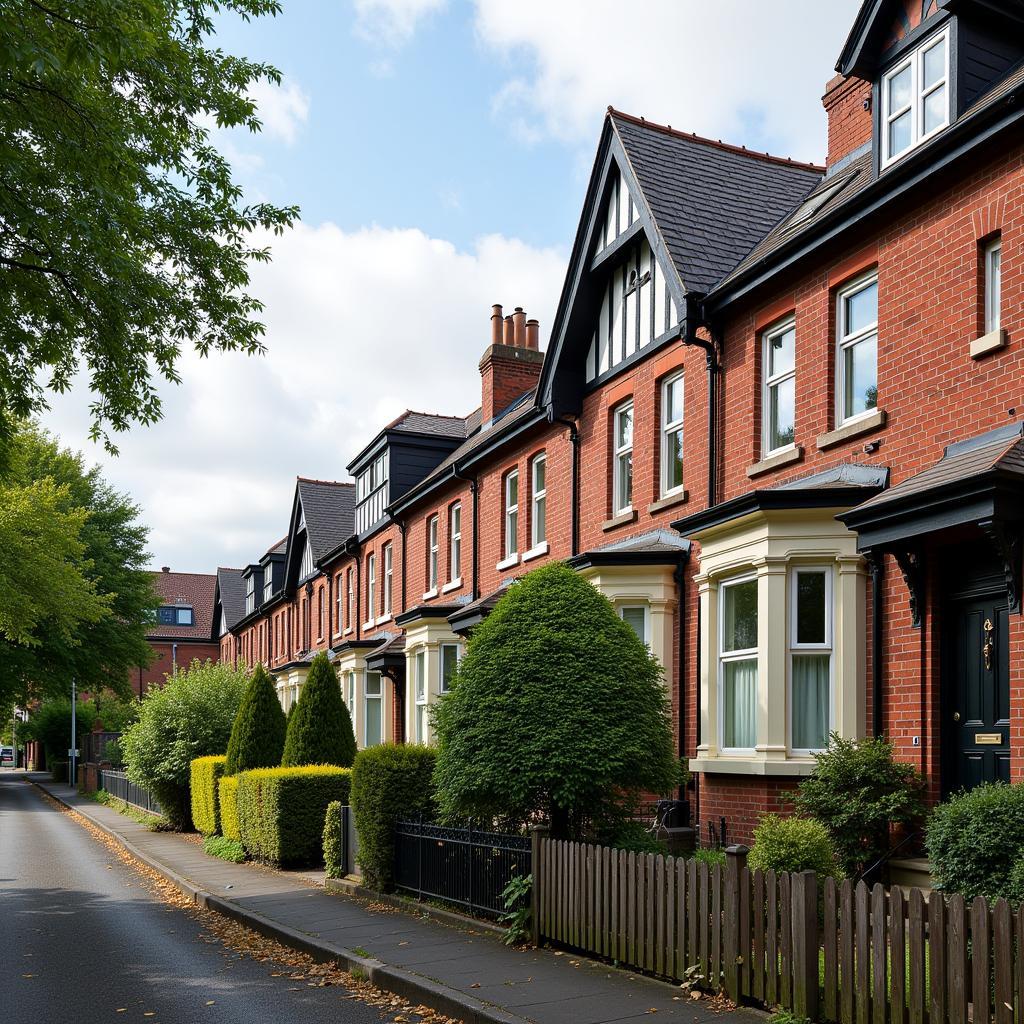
[(465, 973), (911, 873)]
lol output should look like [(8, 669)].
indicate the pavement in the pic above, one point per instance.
[(464, 972)]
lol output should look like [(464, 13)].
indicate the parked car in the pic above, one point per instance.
[(6, 757)]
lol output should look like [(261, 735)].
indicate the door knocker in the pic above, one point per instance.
[(987, 649)]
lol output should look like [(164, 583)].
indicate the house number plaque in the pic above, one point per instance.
[(989, 739)]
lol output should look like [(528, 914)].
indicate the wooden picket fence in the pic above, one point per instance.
[(841, 953)]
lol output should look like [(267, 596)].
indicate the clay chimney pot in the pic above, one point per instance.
[(532, 335), (519, 327), (496, 324), (509, 338)]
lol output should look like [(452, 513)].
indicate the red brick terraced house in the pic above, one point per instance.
[(184, 626), (778, 423)]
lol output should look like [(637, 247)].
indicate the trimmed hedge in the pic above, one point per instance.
[(227, 791), (389, 782), (319, 726), (204, 775), (281, 811), (334, 840), (257, 736), (975, 838), (794, 844)]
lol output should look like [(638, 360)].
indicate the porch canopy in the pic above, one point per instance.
[(978, 482)]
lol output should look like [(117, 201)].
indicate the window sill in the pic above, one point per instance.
[(783, 457), (347, 631), (454, 585), (368, 624), (855, 428), (430, 594), (619, 519), (791, 768), (383, 619), (991, 342), (536, 551), (670, 500), (508, 563)]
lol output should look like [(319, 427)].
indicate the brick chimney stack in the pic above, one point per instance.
[(511, 365), (847, 102)]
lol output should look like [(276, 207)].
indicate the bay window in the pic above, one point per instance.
[(635, 616), (778, 392), (810, 658), (672, 435), (622, 459), (373, 709), (420, 682), (857, 338), (738, 664), (449, 661)]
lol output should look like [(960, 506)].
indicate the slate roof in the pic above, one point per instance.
[(277, 549), (411, 422), (329, 511), (712, 202), (186, 588), (231, 590)]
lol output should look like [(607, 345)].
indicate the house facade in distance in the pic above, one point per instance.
[(777, 422)]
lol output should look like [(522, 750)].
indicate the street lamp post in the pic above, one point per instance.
[(73, 750)]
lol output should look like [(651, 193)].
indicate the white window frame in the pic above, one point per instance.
[(538, 499), (455, 542), (350, 693), (389, 575), (915, 61), (669, 428), (367, 697), (747, 654), (420, 694), (442, 686), (845, 341), (638, 606), (794, 647), (350, 619), (432, 553), (511, 515), (770, 381), (993, 284), (371, 586), (620, 455), (339, 599)]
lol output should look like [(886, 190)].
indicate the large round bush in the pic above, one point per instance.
[(793, 844), (190, 717), (975, 838), (557, 710)]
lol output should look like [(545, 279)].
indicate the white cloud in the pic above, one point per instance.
[(719, 69), (282, 109), (361, 325), (392, 22)]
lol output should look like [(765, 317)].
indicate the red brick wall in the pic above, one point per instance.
[(156, 673), (849, 122)]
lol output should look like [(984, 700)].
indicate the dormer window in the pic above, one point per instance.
[(250, 594), (371, 493), (915, 98), (268, 586), (175, 615)]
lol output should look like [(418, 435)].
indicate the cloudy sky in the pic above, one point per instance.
[(439, 150)]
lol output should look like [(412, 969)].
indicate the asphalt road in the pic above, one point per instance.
[(83, 939)]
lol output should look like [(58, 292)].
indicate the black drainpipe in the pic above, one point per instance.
[(694, 319), (474, 490), (574, 477), (877, 563)]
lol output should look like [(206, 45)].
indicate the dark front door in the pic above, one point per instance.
[(976, 689)]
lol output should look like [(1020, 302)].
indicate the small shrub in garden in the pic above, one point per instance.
[(389, 783), (205, 775), (257, 735), (858, 790), (975, 838), (319, 728), (281, 811), (227, 799), (227, 849), (710, 856), (793, 844), (631, 836), (1015, 890), (334, 840)]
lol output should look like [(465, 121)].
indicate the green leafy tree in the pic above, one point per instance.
[(124, 235), (858, 790), (557, 709), (257, 737), (190, 717), (320, 729), (76, 597)]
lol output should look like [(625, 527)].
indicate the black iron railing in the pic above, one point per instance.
[(466, 867), (118, 785)]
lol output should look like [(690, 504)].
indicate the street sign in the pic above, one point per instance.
[(73, 753)]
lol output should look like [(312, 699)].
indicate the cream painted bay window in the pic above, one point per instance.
[(857, 337), (622, 464), (672, 435), (810, 658), (778, 393), (420, 672), (738, 664), (449, 661), (635, 616), (373, 709)]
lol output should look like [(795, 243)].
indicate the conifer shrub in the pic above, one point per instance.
[(281, 811), (558, 709), (257, 736), (794, 844), (205, 776), (389, 783), (319, 728), (334, 840), (227, 793)]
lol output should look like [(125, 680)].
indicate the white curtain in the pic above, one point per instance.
[(739, 715), (810, 701)]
